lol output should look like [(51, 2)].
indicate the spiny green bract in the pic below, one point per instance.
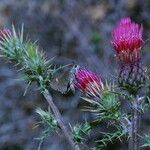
[(146, 141), (36, 67), (108, 107), (12, 46), (49, 122), (33, 63), (80, 131), (47, 118), (110, 138)]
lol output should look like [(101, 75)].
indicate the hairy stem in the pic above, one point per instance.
[(135, 126), (58, 117)]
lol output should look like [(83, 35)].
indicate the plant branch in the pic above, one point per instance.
[(58, 117), (135, 125)]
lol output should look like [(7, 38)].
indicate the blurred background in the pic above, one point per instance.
[(74, 31)]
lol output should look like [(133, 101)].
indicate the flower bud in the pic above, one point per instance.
[(127, 42), (88, 82), (132, 77)]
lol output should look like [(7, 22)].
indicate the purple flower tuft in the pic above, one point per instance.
[(127, 41), (88, 82)]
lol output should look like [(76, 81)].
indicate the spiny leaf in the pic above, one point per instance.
[(110, 138), (108, 107), (49, 122), (146, 141), (80, 131)]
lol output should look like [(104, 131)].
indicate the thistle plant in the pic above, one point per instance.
[(35, 68), (102, 97), (127, 41)]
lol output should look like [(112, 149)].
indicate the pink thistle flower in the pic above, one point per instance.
[(5, 34), (127, 41), (88, 82)]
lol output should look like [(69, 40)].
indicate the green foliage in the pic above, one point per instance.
[(146, 141), (80, 131), (36, 67), (110, 138), (33, 63), (47, 118), (49, 122), (12, 46), (108, 107), (25, 53)]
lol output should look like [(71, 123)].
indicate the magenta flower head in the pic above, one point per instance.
[(88, 82), (5, 34), (127, 41)]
